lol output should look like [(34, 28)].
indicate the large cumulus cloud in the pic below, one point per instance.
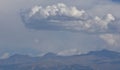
[(102, 20), (63, 17)]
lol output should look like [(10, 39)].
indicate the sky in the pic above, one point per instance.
[(65, 27)]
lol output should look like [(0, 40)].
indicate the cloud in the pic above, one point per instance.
[(4, 56), (111, 39), (69, 52), (70, 18), (100, 20)]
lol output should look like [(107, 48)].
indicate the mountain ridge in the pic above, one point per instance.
[(102, 60)]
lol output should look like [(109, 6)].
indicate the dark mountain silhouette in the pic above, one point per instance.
[(105, 53), (117, 1), (94, 60)]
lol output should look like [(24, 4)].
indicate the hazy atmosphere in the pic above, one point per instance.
[(65, 27)]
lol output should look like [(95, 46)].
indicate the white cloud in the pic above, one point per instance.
[(56, 12), (69, 52), (63, 17), (4, 56), (100, 18), (111, 39)]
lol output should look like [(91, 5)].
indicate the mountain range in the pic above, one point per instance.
[(94, 60)]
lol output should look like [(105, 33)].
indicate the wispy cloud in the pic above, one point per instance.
[(111, 39), (69, 52), (4, 56)]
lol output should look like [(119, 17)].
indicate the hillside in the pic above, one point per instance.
[(94, 60)]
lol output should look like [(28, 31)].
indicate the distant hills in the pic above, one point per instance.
[(94, 60), (117, 1)]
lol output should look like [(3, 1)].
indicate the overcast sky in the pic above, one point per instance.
[(85, 25)]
